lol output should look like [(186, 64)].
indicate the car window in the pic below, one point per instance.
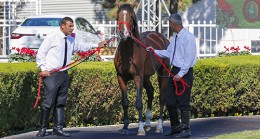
[(42, 22), (83, 25)]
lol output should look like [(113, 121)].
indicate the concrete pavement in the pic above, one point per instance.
[(201, 128)]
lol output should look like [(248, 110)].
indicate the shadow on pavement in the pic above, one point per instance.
[(201, 128)]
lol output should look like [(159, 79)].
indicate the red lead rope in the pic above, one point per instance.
[(184, 84), (88, 54)]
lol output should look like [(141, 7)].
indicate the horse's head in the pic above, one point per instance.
[(126, 20)]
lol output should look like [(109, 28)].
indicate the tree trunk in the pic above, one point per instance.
[(173, 10)]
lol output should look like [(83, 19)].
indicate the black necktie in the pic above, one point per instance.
[(65, 54), (174, 48)]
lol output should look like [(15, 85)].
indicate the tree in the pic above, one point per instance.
[(182, 5), (111, 4), (174, 5)]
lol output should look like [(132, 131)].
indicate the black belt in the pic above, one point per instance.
[(180, 68)]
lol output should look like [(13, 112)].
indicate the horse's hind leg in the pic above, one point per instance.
[(149, 91), (125, 104), (163, 81)]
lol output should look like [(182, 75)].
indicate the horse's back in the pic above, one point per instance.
[(158, 42), (155, 39)]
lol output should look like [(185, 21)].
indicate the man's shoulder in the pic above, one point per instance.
[(189, 34), (53, 33)]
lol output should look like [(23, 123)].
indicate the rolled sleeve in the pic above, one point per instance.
[(80, 46), (42, 53)]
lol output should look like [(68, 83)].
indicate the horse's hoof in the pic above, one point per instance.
[(141, 133), (124, 132), (147, 127), (158, 130)]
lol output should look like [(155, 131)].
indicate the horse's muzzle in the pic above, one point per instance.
[(122, 36)]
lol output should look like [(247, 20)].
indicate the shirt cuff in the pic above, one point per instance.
[(43, 68), (93, 45), (181, 74)]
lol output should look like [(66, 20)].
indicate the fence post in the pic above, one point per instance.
[(4, 31)]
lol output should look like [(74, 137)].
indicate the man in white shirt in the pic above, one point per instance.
[(55, 52), (182, 54)]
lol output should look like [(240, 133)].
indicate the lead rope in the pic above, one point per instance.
[(88, 54), (184, 84), (73, 64)]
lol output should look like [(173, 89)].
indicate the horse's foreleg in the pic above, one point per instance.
[(139, 104), (150, 94), (125, 104), (163, 82), (159, 128)]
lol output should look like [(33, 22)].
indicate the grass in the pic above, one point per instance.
[(252, 134)]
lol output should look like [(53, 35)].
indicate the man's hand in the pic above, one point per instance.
[(102, 44), (150, 48), (45, 73), (176, 77)]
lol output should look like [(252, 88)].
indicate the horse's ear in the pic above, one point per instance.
[(118, 3), (133, 5)]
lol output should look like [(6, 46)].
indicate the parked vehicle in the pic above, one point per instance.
[(32, 31)]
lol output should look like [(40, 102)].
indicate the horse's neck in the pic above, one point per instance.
[(136, 32)]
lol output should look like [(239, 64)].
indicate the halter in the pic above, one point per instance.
[(130, 26)]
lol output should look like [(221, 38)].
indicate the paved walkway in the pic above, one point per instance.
[(201, 128)]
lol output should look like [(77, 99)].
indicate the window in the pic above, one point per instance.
[(42, 22), (83, 25)]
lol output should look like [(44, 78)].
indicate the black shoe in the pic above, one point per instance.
[(184, 134), (59, 132), (42, 132), (173, 131)]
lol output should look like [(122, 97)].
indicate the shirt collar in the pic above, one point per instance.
[(62, 35), (181, 32)]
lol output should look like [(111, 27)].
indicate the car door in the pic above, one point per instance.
[(86, 32)]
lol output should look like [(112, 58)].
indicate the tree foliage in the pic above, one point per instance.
[(173, 5)]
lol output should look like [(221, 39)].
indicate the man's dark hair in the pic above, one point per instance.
[(65, 20)]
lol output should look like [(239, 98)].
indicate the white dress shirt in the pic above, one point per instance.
[(51, 53), (185, 55)]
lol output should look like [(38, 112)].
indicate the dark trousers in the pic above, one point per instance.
[(181, 102), (56, 89)]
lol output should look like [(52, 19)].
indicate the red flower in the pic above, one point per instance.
[(225, 6), (18, 50)]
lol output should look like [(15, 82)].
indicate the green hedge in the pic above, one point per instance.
[(222, 86), (225, 86)]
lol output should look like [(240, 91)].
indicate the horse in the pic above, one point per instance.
[(133, 62)]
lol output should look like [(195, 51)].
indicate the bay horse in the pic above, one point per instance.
[(133, 62)]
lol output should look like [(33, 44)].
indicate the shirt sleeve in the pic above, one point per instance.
[(42, 53), (80, 46), (189, 56), (164, 53)]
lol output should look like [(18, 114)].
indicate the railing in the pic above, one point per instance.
[(9, 19), (207, 34), (209, 38)]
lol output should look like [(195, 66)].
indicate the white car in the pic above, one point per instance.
[(31, 32)]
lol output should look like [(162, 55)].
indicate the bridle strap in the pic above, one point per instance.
[(129, 26)]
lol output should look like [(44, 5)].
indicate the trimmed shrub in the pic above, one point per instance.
[(222, 86)]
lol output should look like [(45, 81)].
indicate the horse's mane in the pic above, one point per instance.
[(133, 16)]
